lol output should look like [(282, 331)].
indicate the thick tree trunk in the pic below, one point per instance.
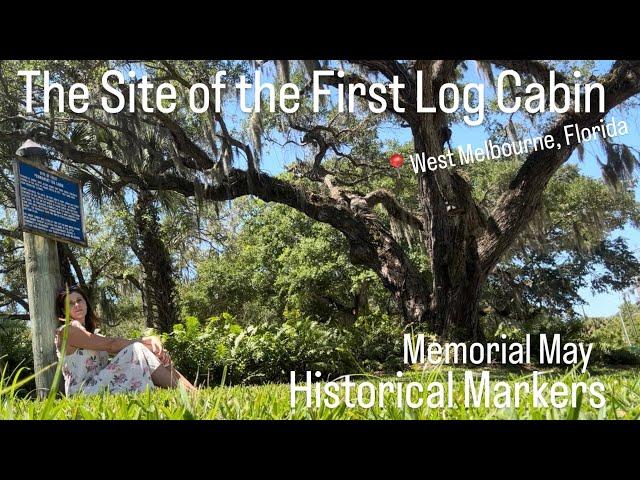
[(159, 286), (455, 302), (453, 225), (458, 277)]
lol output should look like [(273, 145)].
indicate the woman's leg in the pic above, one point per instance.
[(163, 376), (169, 377)]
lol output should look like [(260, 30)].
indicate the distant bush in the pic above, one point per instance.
[(623, 356), (610, 343), (512, 332), (15, 348), (377, 343)]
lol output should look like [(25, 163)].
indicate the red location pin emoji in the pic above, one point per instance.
[(396, 160)]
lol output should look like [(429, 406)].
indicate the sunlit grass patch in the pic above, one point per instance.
[(271, 401)]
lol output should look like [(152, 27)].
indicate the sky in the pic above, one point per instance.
[(604, 304)]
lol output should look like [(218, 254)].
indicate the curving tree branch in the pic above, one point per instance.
[(538, 70), (15, 297), (517, 205), (391, 205)]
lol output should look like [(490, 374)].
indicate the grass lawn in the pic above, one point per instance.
[(621, 392)]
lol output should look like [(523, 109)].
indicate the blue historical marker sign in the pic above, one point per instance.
[(49, 203)]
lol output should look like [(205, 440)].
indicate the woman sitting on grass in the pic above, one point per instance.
[(137, 364)]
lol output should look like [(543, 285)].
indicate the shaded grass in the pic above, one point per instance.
[(271, 401)]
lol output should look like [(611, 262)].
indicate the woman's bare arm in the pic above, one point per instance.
[(78, 337)]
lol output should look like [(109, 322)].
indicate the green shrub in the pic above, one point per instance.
[(378, 342), (610, 344), (202, 349), (268, 351), (623, 356), (15, 349)]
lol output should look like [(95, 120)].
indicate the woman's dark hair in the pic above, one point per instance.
[(90, 320)]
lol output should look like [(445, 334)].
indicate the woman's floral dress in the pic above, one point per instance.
[(90, 371)]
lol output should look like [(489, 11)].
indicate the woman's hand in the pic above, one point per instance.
[(154, 344), (165, 359)]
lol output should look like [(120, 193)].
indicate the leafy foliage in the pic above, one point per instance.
[(220, 349), (15, 345), (568, 245), (281, 260)]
